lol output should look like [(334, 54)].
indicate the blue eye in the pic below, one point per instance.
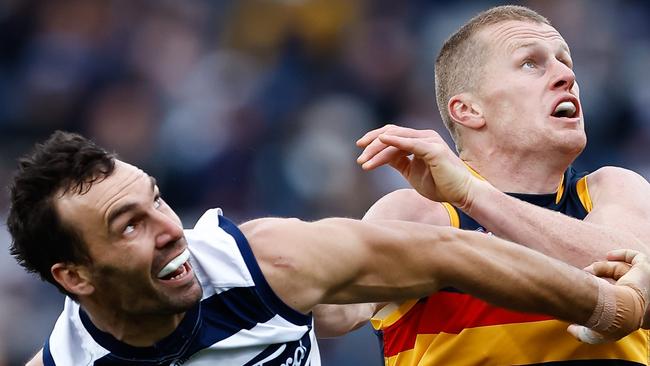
[(528, 64)]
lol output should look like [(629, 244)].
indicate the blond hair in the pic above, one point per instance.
[(459, 63)]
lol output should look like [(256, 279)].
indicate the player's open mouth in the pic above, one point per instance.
[(567, 108), (177, 268)]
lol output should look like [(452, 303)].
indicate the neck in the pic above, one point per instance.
[(133, 329), (519, 173)]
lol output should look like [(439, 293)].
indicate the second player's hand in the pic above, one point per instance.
[(631, 270), (637, 277), (433, 170)]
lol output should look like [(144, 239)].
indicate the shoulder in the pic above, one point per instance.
[(408, 205), (272, 237), (269, 228), (614, 184), (613, 175), (617, 179)]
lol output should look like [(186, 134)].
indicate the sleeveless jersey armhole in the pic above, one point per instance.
[(583, 193), (454, 219), (391, 314)]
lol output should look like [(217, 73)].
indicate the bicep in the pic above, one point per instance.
[(342, 261), (302, 261)]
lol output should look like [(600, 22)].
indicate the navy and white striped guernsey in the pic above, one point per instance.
[(239, 320)]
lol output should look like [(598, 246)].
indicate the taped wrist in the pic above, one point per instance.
[(619, 310), (605, 310)]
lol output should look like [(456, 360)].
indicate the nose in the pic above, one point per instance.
[(168, 229), (563, 77)]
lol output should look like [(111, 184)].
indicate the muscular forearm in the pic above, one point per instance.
[(516, 277), (344, 261), (413, 260), (513, 276), (576, 242)]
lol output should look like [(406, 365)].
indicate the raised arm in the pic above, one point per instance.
[(342, 261), (620, 198)]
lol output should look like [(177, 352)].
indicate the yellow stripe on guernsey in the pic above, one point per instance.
[(391, 313), (583, 193), (560, 191), (474, 172), (496, 346), (454, 219)]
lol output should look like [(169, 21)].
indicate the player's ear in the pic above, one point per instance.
[(73, 278), (465, 110)]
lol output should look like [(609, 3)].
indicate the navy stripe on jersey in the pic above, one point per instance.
[(48, 360), (262, 286), (569, 203), (171, 346), (218, 317)]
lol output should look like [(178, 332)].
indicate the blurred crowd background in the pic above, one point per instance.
[(254, 105)]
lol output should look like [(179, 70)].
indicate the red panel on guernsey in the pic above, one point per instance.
[(447, 312)]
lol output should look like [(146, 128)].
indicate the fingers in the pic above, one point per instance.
[(585, 335), (387, 148), (370, 136), (613, 270), (420, 147), (626, 255), (376, 152)]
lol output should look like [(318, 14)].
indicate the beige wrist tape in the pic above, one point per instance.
[(605, 310), (619, 310)]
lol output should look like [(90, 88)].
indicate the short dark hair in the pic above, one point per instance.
[(65, 162)]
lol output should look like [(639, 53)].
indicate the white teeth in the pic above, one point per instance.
[(567, 106), (174, 264)]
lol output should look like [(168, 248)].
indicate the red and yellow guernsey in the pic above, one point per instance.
[(453, 328)]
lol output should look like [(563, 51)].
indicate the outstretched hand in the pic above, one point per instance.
[(423, 158), (631, 271)]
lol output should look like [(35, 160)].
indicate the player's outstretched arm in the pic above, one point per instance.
[(342, 261)]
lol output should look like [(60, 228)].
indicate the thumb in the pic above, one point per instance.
[(585, 335)]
